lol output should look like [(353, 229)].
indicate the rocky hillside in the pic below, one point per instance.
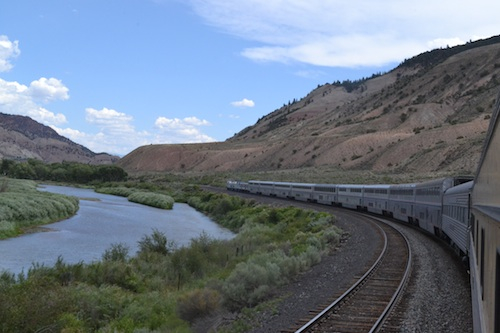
[(23, 138), (429, 114)]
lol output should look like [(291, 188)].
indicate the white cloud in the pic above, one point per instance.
[(47, 90), (349, 33), (244, 103), (8, 51), (16, 98), (181, 130), (109, 120), (115, 132)]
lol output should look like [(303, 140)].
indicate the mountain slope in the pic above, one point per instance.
[(429, 114), (23, 138)]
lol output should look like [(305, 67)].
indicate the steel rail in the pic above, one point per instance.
[(366, 277)]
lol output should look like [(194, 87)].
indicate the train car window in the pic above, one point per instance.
[(481, 273), (497, 292), (473, 227), (324, 189), (477, 241)]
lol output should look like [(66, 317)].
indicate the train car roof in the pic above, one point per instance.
[(267, 182), (464, 187), (409, 185), (384, 186), (351, 185)]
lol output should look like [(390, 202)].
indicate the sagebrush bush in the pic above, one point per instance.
[(198, 303), (254, 280)]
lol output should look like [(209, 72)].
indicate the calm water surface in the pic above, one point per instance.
[(97, 225)]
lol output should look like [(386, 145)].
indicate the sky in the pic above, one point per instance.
[(114, 75)]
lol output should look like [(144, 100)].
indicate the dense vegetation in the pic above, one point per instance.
[(63, 172), (153, 199), (166, 288), (22, 206)]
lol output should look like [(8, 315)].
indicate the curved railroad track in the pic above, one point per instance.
[(367, 303)]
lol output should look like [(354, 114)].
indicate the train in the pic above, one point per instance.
[(464, 211), (440, 206)]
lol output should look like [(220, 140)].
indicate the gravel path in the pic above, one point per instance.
[(437, 298)]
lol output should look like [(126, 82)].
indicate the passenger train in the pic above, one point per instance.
[(464, 211), (440, 207)]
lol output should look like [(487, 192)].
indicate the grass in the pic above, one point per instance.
[(22, 207), (166, 288)]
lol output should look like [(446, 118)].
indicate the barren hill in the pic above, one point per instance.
[(23, 138), (429, 114)]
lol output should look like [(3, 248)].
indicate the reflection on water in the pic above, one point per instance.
[(102, 220)]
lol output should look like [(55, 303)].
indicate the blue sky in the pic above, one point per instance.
[(114, 75)]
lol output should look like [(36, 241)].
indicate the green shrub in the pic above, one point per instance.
[(254, 280), (198, 303), (157, 243), (119, 191), (113, 273), (157, 200), (117, 252)]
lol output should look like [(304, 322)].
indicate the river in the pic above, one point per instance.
[(101, 221)]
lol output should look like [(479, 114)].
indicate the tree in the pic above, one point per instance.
[(6, 166), (23, 171)]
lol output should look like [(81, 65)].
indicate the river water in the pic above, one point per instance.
[(101, 221)]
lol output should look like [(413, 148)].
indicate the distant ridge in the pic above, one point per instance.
[(23, 138), (434, 57)]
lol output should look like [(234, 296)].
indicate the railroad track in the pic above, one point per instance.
[(367, 303)]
